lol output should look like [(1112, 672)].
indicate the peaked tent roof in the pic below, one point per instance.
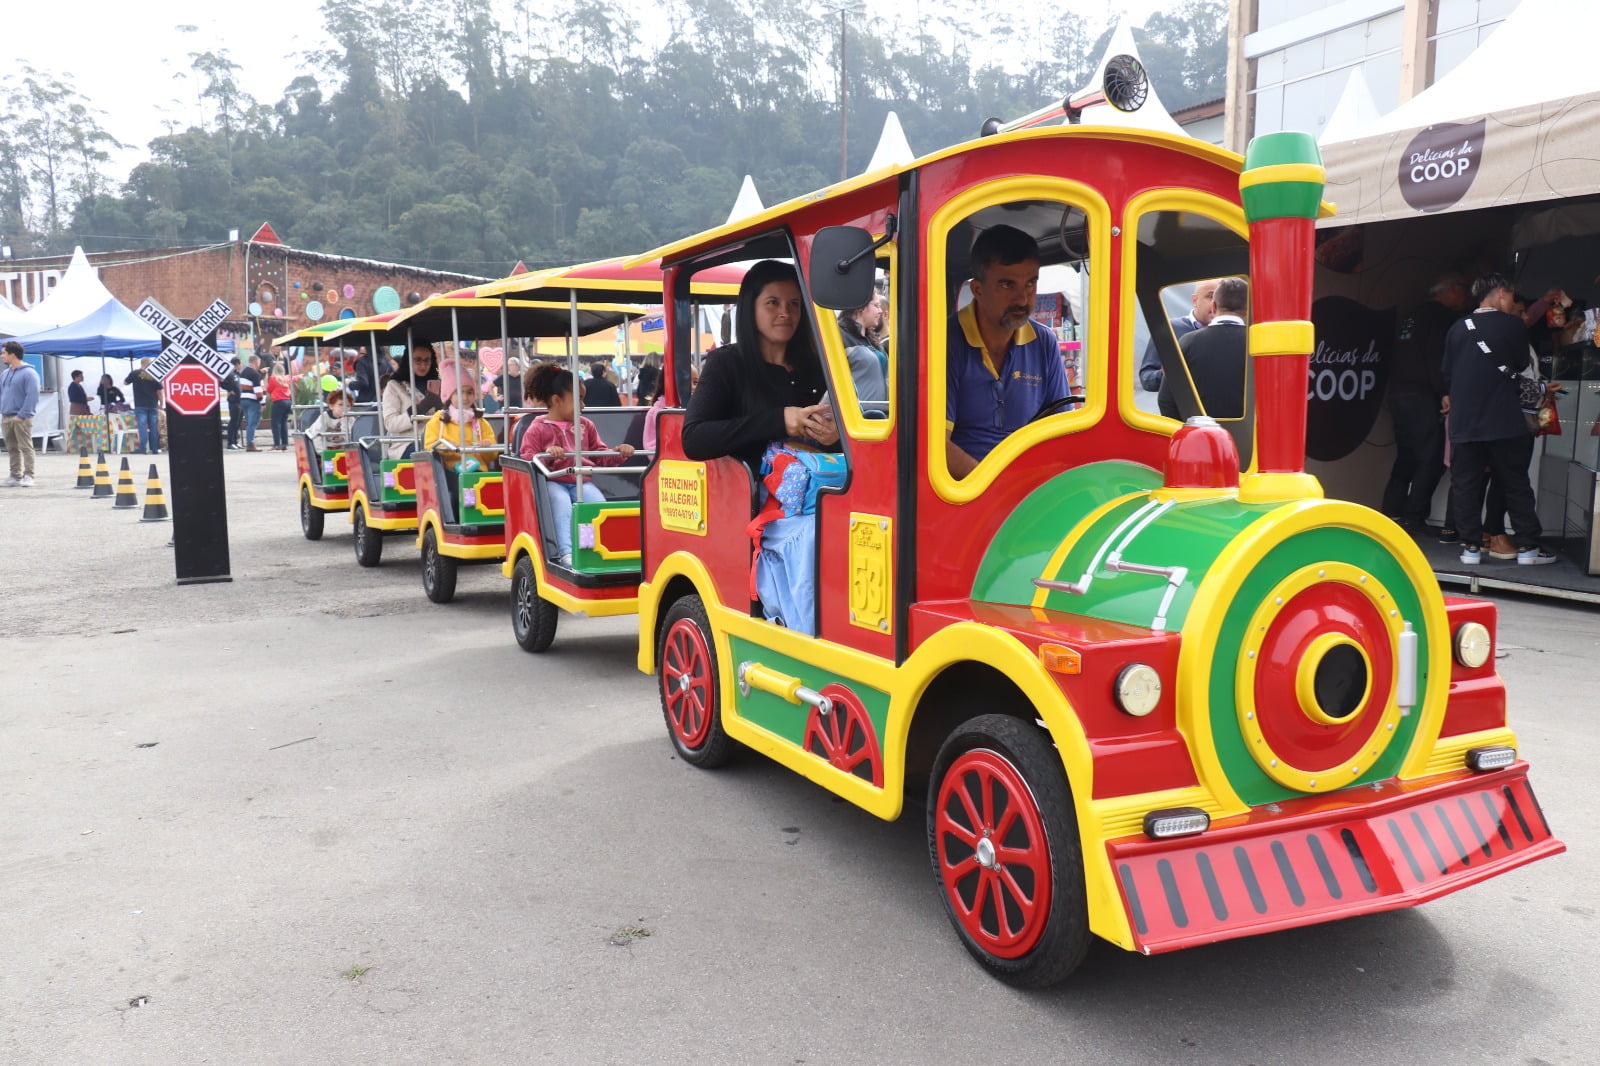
[(78, 293), (747, 203), (110, 329), (1355, 110), (893, 150), (13, 319), (1478, 137)]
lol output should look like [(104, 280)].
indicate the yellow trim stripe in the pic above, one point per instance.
[(524, 545), (1289, 337), (1306, 172)]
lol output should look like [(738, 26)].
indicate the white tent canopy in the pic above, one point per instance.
[(1502, 128), (892, 150), (78, 294), (1524, 62), (1355, 110), (747, 203), (13, 319)]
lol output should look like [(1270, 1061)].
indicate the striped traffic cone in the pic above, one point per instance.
[(85, 470), (155, 501), (102, 478), (126, 496)]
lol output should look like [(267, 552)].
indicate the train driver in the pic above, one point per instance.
[(1002, 366)]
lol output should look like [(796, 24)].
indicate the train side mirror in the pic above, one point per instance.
[(842, 267)]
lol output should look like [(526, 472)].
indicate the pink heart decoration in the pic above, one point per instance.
[(492, 359)]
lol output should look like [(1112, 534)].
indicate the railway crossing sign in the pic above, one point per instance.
[(185, 340), (189, 371), (191, 390)]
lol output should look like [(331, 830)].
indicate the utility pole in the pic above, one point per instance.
[(843, 10)]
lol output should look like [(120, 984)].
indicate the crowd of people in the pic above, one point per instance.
[(1464, 395)]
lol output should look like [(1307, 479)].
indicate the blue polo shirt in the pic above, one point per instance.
[(985, 403)]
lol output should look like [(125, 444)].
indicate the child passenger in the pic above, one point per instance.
[(446, 425), (332, 427), (551, 433)]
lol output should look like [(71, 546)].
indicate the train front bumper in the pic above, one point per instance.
[(1370, 848)]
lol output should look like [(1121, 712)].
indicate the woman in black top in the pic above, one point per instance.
[(109, 393), (768, 384)]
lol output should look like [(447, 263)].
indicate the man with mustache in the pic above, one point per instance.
[(1002, 367)]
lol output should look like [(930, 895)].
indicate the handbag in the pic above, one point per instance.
[(1547, 423)]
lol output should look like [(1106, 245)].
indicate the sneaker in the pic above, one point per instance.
[(1448, 535), (1471, 556), (1500, 547), (27, 481), (11, 482), (1534, 557)]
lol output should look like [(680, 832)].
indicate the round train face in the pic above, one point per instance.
[(1316, 656), (1315, 651)]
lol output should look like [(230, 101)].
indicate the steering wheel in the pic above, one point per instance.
[(1055, 407)]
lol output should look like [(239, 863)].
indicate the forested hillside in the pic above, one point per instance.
[(445, 134)]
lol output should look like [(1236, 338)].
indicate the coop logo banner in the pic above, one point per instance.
[(1349, 375), (1439, 165)]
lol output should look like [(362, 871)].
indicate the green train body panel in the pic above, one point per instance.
[(586, 559), (472, 488), (391, 494), (788, 720), (330, 480), (1023, 545)]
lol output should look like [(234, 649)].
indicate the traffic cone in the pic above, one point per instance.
[(102, 477), (155, 501), (126, 495), (85, 470)]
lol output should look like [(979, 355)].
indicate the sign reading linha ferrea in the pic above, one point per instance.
[(681, 496), (185, 340)]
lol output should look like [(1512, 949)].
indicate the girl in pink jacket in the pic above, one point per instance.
[(551, 434)]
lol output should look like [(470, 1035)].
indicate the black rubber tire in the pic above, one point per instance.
[(368, 541), (533, 618), (1027, 750), (438, 571), (686, 650), (310, 517)]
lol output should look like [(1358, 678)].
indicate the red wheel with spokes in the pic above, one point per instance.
[(845, 737), (1002, 836), (690, 685)]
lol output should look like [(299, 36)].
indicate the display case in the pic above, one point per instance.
[(1569, 472)]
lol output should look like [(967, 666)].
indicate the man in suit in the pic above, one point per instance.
[(1215, 356), (1204, 301)]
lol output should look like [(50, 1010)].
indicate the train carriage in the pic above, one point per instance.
[(602, 577), (1154, 685)]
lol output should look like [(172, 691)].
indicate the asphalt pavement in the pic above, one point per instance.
[(308, 817)]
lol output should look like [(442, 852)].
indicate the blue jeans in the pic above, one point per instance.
[(149, 420), (252, 419), (561, 495), (280, 423)]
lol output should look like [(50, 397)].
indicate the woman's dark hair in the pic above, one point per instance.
[(649, 385), (765, 273), (546, 381)]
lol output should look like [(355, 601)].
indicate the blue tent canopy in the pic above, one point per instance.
[(112, 330)]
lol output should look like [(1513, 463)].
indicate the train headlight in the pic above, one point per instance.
[(1485, 759), (1176, 822), (1138, 689), (1473, 644)]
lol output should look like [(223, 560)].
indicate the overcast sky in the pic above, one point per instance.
[(129, 64)]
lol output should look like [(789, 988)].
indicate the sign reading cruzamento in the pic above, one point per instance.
[(681, 496)]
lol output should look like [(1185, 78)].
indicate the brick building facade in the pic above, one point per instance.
[(272, 288)]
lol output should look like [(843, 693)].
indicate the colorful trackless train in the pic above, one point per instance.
[(1154, 686)]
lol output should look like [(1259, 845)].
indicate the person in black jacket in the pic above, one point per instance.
[(146, 407), (1215, 355), (598, 390), (230, 385), (1484, 354), (766, 385), (1416, 394)]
